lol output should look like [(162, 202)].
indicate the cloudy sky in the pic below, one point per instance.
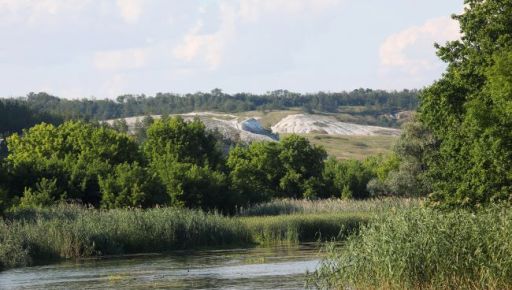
[(104, 48)]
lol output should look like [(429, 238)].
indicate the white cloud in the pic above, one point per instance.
[(130, 10), (33, 11), (253, 10), (121, 59), (394, 50), (208, 47), (211, 48)]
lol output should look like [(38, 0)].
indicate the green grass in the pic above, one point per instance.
[(353, 147), (303, 227), (424, 248), (29, 237), (302, 206)]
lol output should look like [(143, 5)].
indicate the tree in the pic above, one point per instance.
[(131, 185), (468, 110), (291, 168), (254, 172), (302, 161), (186, 158), (74, 154), (187, 142), (348, 178)]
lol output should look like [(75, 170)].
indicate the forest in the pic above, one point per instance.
[(167, 103)]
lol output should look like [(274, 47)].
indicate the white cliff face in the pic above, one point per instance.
[(305, 123), (250, 129), (246, 131)]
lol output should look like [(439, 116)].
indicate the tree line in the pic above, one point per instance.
[(376, 101)]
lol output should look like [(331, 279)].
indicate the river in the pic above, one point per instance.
[(282, 267)]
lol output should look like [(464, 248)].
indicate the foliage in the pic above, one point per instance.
[(468, 110), (304, 206), (43, 195), (72, 155), (15, 115), (186, 158), (165, 103), (348, 178), (290, 168), (424, 248), (33, 235), (186, 142), (130, 185), (404, 172)]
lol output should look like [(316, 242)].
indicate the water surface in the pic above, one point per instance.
[(249, 268)]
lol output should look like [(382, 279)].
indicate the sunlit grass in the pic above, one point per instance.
[(424, 248)]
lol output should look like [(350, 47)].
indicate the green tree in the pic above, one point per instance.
[(186, 158), (302, 161), (74, 154), (348, 178), (187, 142), (468, 110), (131, 185), (254, 172), (291, 168)]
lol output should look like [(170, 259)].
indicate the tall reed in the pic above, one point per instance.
[(294, 206), (425, 249)]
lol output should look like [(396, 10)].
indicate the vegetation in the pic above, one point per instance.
[(377, 101), (31, 236), (468, 110), (303, 206), (352, 147), (423, 248), (458, 150)]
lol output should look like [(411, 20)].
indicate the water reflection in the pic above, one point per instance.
[(254, 268)]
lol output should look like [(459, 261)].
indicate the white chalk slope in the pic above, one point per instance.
[(306, 123), (247, 130)]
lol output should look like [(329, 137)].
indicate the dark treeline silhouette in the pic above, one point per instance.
[(16, 115), (375, 101)]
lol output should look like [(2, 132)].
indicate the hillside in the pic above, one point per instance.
[(342, 140)]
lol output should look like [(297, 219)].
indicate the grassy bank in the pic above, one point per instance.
[(302, 206), (30, 237), (425, 249)]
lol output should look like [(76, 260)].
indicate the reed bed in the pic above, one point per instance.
[(36, 236), (302, 206), (303, 227), (424, 248)]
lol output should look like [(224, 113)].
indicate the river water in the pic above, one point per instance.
[(247, 268)]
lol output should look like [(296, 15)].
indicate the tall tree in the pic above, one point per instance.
[(469, 110)]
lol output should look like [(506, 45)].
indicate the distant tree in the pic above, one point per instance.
[(348, 178), (141, 127), (120, 125)]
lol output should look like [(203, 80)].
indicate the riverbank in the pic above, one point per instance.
[(424, 248), (38, 236)]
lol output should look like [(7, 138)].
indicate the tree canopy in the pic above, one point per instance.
[(469, 110)]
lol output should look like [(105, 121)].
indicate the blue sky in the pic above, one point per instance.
[(104, 48)]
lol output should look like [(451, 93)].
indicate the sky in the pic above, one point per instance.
[(105, 48)]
